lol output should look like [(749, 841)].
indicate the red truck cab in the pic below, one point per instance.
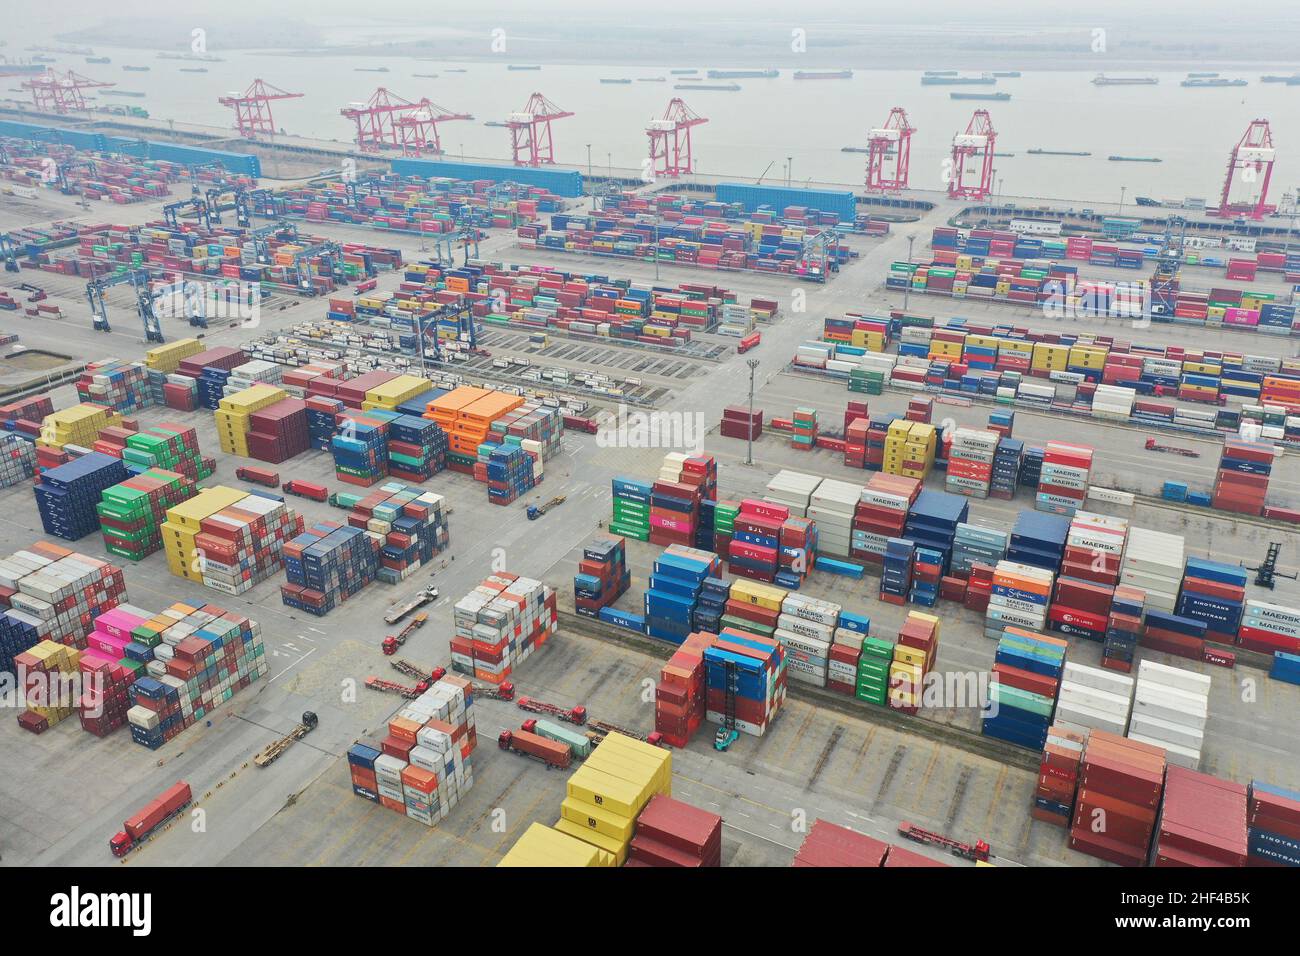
[(749, 341)]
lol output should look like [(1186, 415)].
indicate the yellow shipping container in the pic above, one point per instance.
[(615, 848), (602, 788), (542, 846), (1050, 358), (616, 826), (658, 759), (207, 502), (253, 399), (167, 358), (758, 594)]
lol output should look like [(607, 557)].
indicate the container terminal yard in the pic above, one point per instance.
[(663, 523)]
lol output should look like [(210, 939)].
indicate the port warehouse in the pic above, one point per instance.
[(523, 671)]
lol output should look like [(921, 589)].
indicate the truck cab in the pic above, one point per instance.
[(121, 843)]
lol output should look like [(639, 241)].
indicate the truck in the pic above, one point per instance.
[(305, 489), (1153, 445), (271, 753), (536, 511), (502, 691), (600, 729), (580, 744), (749, 341), (419, 671), (392, 687), (549, 752), (399, 611), (138, 828), (574, 715), (258, 476), (979, 850), (392, 642)]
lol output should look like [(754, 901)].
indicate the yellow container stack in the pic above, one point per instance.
[(233, 414), (909, 448), (168, 358), (54, 658), (611, 788), (1050, 358), (78, 425), (183, 523), (910, 665), (395, 391), (542, 846)]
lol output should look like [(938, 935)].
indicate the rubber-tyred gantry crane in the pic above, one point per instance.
[(1250, 162), (670, 139), (253, 107), (972, 154), (530, 131), (889, 153), (54, 92), (418, 128)]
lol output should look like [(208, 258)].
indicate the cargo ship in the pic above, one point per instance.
[(615, 81), (98, 59), (742, 74), (682, 72), (370, 69), (854, 149), (1057, 152), (517, 66), (23, 69), (44, 59), (823, 74), (652, 79), (984, 79), (720, 87), (1134, 159), (425, 76), (1291, 80), (1202, 76), (137, 69), (940, 73), (1000, 97), (457, 70), (1214, 82), (495, 123), (1101, 79), (193, 69), (134, 93), (200, 57), (1007, 74)]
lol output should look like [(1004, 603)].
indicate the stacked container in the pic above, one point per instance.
[(66, 496), (360, 447), (759, 666), (1093, 699), (872, 683), (131, 513), (1006, 468), (1170, 709), (805, 629), (1063, 478), (909, 449), (915, 654), (843, 667), (631, 516), (228, 539), (233, 416), (1123, 628), (55, 594), (681, 695), (674, 588), (1203, 821), (17, 460), (973, 543), (546, 846), (79, 425), (121, 386), (803, 428), (833, 506), (1154, 562), (1214, 593), (327, 564), (279, 431), (831, 845), (1241, 484), (1273, 820), (499, 624), (602, 575), (509, 474), (208, 655), (1026, 677), (1269, 628), (1058, 776), (896, 570), (1039, 540), (417, 448), (970, 462), (410, 523), (170, 446), (738, 422), (670, 833), (794, 490), (604, 797), (1018, 598), (881, 514), (1121, 782)]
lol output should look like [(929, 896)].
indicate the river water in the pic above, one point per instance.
[(755, 131)]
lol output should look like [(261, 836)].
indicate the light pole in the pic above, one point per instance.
[(907, 289), (789, 171), (749, 429), (588, 160), (609, 158), (1122, 191)]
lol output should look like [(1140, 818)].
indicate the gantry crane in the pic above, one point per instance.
[(144, 296), (418, 129), (1251, 161), (530, 131), (670, 139), (253, 107), (977, 144), (54, 92), (377, 118), (889, 153)]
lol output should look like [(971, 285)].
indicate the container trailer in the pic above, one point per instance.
[(572, 715), (393, 641), (979, 850), (258, 476), (399, 611), (305, 489), (419, 671), (273, 751), (144, 824), (549, 752), (392, 687)]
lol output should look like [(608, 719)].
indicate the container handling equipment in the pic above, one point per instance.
[(727, 733), (273, 751), (536, 511), (392, 642)]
